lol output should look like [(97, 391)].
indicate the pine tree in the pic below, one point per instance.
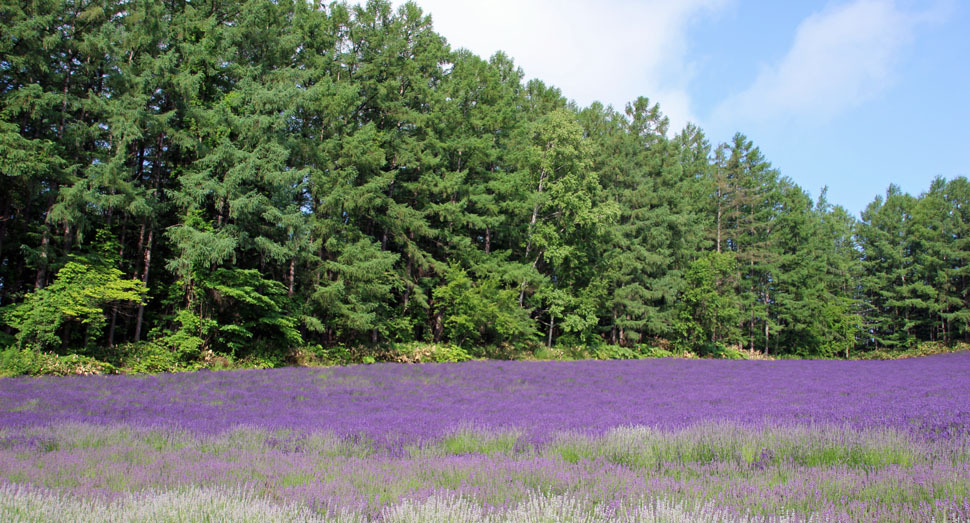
[(887, 262)]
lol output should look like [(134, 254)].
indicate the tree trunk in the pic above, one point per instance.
[(767, 337), (68, 237), (552, 325), (613, 329), (3, 224), (67, 87), (767, 333), (408, 287), (522, 286), (146, 263), (718, 220), (68, 327), (45, 241), (121, 256), (751, 331), (408, 274), (535, 217), (438, 327), (111, 329)]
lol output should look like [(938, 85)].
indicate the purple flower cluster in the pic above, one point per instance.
[(779, 441), (896, 480), (928, 397)]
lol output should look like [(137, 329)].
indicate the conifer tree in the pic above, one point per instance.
[(277, 173)]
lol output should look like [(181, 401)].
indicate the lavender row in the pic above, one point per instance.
[(24, 504), (799, 473), (402, 404), (798, 440)]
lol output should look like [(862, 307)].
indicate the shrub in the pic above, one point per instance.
[(542, 352), (923, 349), (615, 352), (481, 310), (720, 351), (150, 357), (655, 352), (427, 352), (21, 362), (76, 302)]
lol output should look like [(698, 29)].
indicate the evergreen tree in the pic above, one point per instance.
[(888, 262), (258, 175)]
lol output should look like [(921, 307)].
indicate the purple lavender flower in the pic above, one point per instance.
[(829, 440)]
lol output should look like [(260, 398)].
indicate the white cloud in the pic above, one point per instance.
[(840, 58), (612, 50)]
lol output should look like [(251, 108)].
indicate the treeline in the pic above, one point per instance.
[(223, 175)]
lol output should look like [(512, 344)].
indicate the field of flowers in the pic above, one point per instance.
[(648, 440)]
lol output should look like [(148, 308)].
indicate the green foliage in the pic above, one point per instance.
[(234, 308), (832, 331), (16, 362), (191, 335), (409, 352), (355, 294), (250, 181), (601, 352), (655, 352), (710, 312), (260, 359), (150, 358), (80, 295), (417, 352), (476, 442), (337, 355), (923, 349), (719, 351), (616, 352), (480, 312)]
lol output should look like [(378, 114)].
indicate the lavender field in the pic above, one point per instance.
[(654, 440)]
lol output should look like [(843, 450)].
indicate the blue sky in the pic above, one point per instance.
[(849, 94)]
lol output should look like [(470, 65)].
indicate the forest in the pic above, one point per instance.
[(224, 178)]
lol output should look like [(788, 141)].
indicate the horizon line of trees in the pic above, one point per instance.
[(226, 174)]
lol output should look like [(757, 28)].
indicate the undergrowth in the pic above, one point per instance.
[(152, 357)]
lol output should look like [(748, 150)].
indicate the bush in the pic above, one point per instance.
[(250, 361), (615, 352), (28, 362), (307, 356), (720, 351), (427, 352), (923, 349), (481, 310), (260, 354), (599, 352), (320, 355), (150, 357), (543, 353), (509, 351), (76, 302), (655, 352)]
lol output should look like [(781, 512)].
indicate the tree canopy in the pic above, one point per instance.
[(220, 175)]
